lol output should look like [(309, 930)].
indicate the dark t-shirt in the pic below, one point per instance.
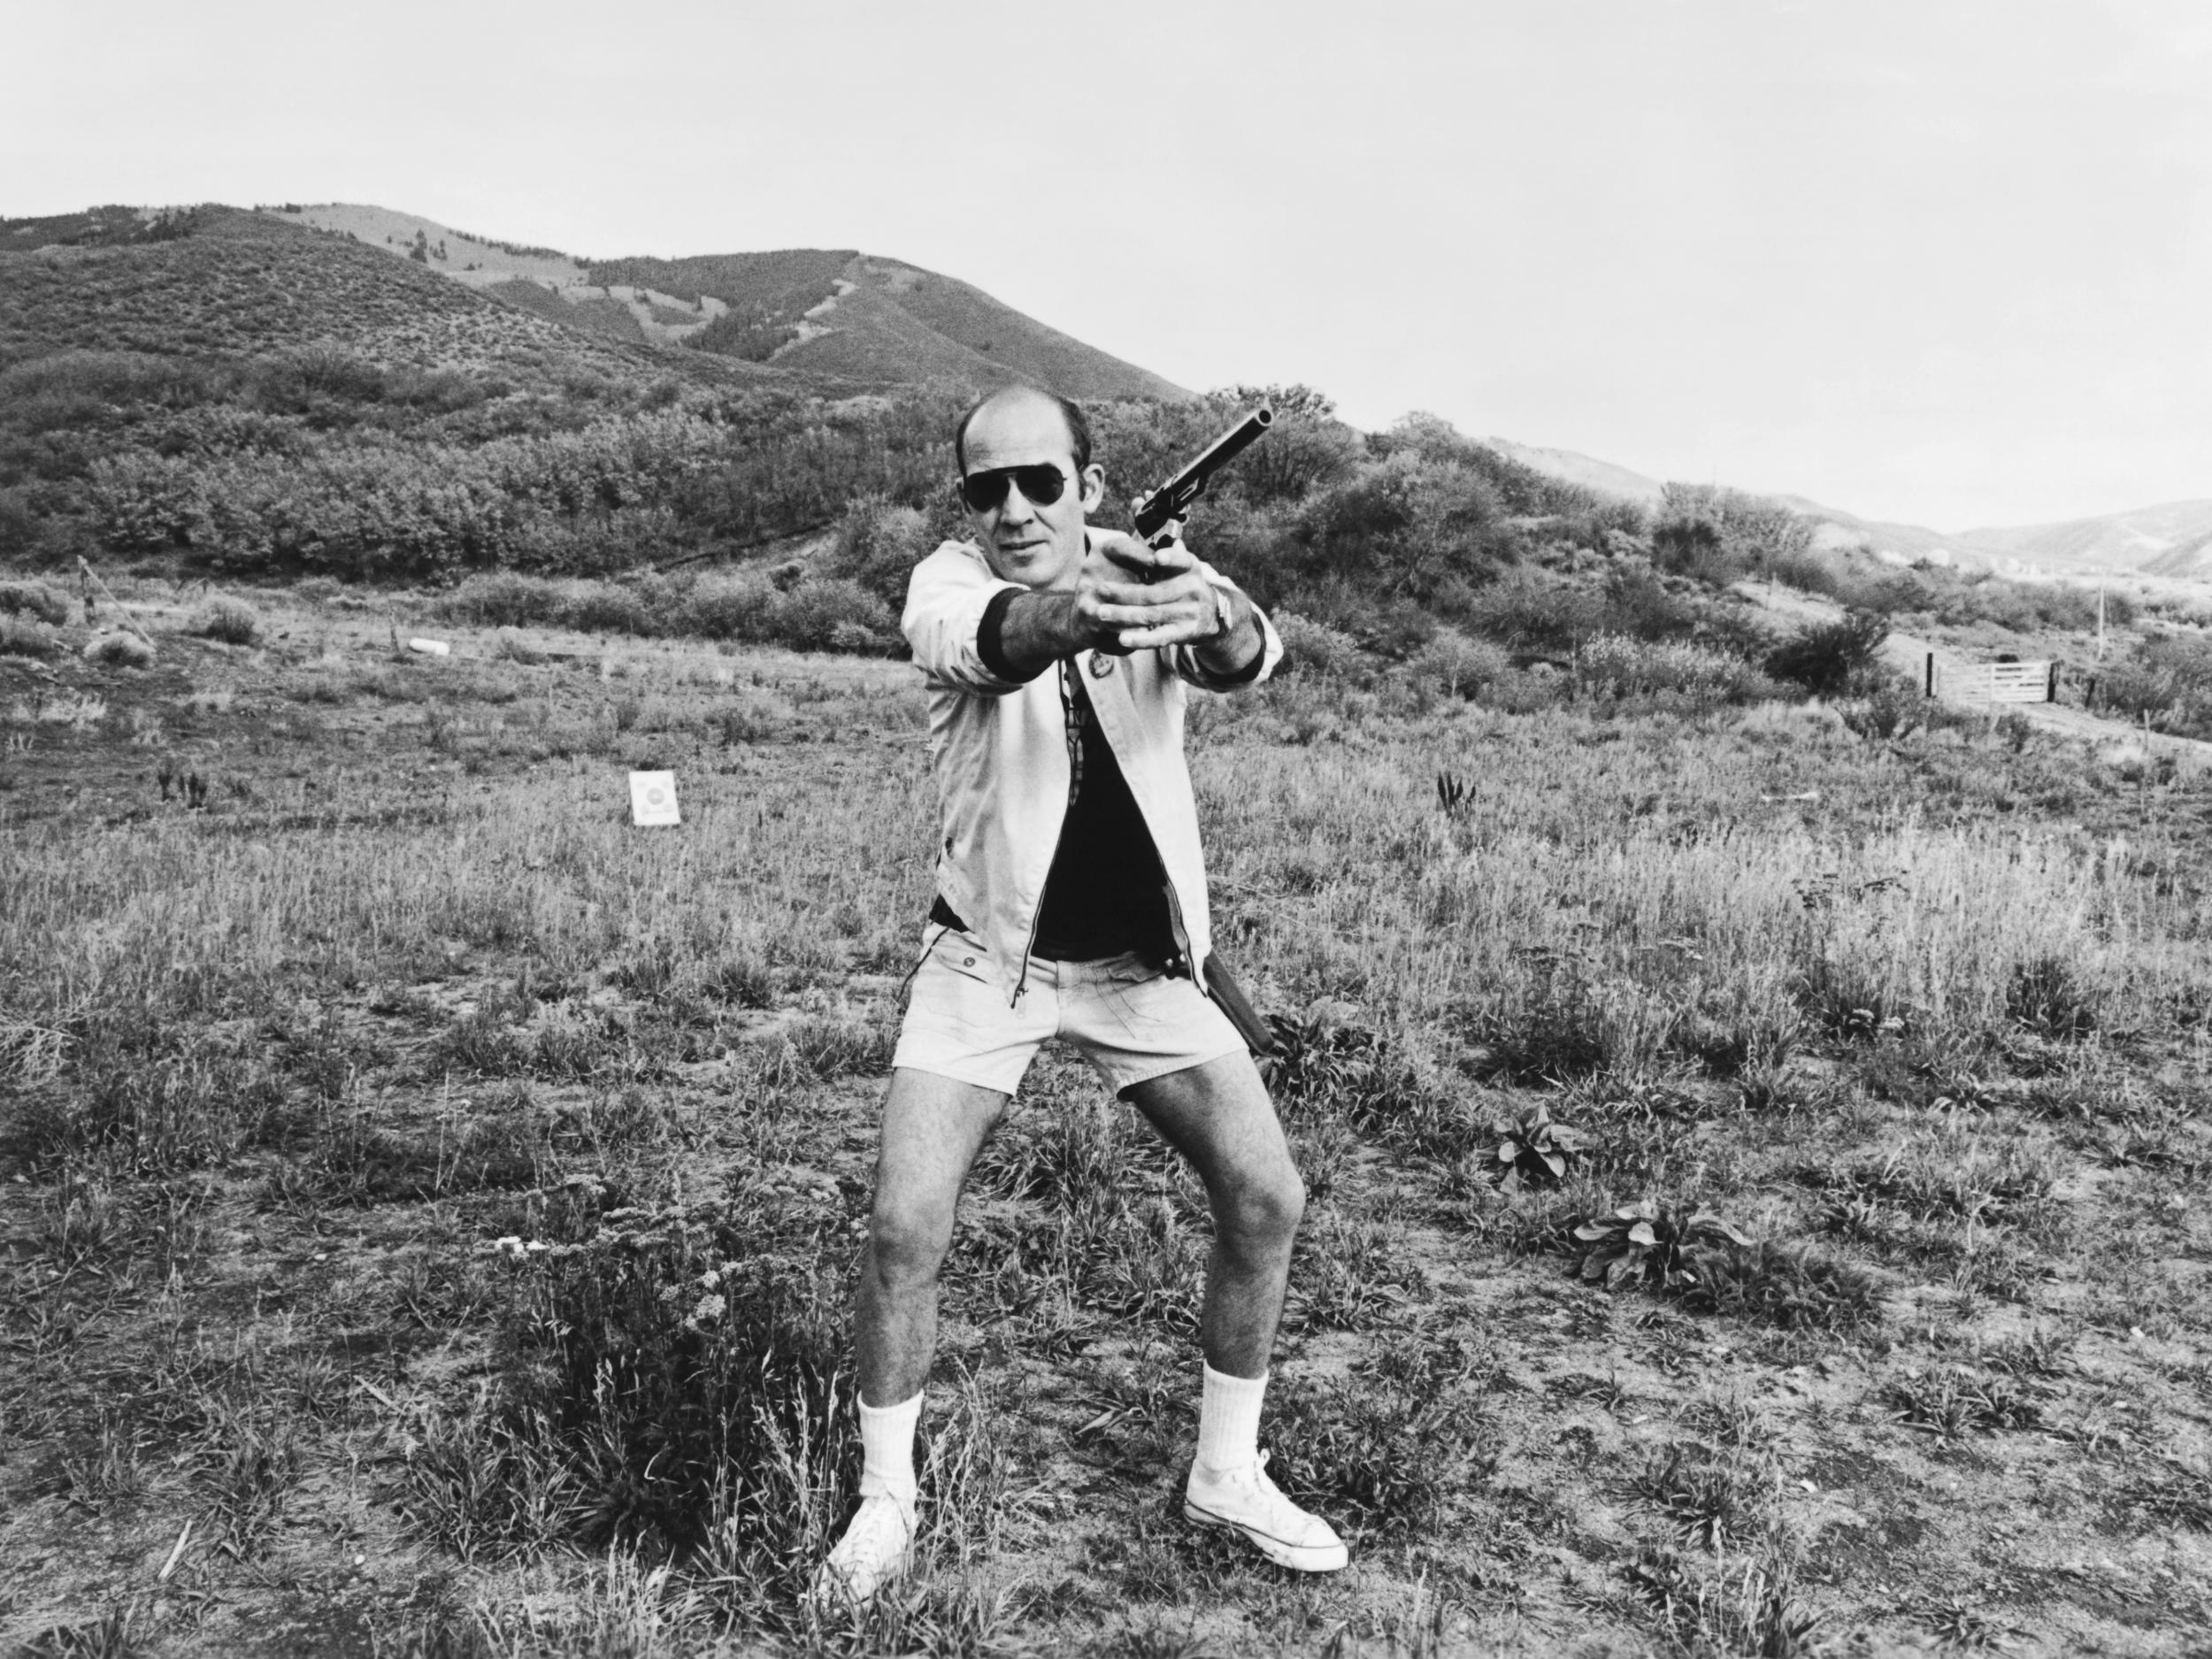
[(1107, 892)]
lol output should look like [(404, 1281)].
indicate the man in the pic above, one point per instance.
[(1071, 903)]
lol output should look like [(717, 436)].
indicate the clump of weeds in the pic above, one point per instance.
[(1393, 1458), (1753, 1608), (1951, 1401), (1711, 1498)]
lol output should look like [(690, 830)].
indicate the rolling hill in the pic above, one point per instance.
[(397, 287), (2171, 542), (2171, 539), (837, 312)]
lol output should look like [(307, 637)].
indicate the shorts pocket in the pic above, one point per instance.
[(963, 954)]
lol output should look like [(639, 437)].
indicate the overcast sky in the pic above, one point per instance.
[(1938, 260)]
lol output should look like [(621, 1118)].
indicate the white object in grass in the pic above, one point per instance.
[(653, 799), (430, 647)]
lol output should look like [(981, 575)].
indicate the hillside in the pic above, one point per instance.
[(219, 281), (2172, 540), (864, 318), (809, 311), (404, 289), (1585, 471)]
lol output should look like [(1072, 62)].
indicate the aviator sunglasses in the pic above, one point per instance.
[(1041, 484)]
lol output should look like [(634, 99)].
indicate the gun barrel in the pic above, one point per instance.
[(1178, 492)]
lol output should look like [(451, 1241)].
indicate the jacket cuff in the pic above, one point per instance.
[(1250, 671), (991, 646)]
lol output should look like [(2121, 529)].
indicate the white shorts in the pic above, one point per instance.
[(1129, 1019)]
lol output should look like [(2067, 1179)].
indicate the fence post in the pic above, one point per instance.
[(1931, 687), (2050, 689)]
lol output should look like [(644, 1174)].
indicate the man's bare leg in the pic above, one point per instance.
[(933, 1128), (1219, 1116)]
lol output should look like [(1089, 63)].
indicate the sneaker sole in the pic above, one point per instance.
[(1297, 1557)]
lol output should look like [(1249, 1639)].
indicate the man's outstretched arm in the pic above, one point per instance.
[(1106, 610)]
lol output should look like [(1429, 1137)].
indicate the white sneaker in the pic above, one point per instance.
[(877, 1547), (1248, 1500)]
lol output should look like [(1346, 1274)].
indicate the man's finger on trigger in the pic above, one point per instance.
[(1133, 615), (1169, 633), (1130, 593)]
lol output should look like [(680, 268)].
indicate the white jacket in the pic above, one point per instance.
[(1000, 749)]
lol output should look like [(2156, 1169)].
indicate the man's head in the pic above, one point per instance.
[(1017, 440)]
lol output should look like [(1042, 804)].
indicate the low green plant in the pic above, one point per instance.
[(1646, 1243), (1534, 1151)]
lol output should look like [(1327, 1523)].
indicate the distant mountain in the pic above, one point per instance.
[(2173, 540), (1588, 470), (399, 287)]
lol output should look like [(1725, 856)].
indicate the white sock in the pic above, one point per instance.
[(886, 1450), (1229, 1422)]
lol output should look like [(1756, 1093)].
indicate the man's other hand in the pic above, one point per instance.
[(1126, 612)]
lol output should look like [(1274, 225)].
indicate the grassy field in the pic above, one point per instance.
[(431, 1202)]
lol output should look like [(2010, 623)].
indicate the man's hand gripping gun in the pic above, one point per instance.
[(1166, 506)]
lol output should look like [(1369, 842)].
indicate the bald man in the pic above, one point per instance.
[(1071, 904)]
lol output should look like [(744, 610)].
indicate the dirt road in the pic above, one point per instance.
[(1908, 654)]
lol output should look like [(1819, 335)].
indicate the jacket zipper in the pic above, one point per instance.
[(1075, 765)]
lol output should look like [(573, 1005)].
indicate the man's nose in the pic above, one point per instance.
[(1018, 507)]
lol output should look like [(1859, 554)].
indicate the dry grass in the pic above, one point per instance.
[(443, 1195)]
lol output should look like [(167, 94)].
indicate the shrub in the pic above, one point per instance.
[(1458, 666), (1312, 647), (877, 546), (729, 607), (21, 529), (232, 621), (808, 617), (2169, 678), (1885, 708), (18, 638), (1610, 666), (119, 649), (503, 599), (1823, 656), (34, 599)]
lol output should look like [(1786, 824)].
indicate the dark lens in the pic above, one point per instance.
[(983, 491), (1041, 485)]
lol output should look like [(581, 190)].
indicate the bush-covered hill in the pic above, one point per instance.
[(227, 392), (219, 282), (839, 311)]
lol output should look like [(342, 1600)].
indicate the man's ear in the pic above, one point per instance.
[(1093, 487)]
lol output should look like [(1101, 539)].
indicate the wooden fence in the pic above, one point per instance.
[(1996, 682)]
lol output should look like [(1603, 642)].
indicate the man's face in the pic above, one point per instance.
[(1038, 546)]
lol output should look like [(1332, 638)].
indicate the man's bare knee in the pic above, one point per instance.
[(907, 1243), (1262, 1209)]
